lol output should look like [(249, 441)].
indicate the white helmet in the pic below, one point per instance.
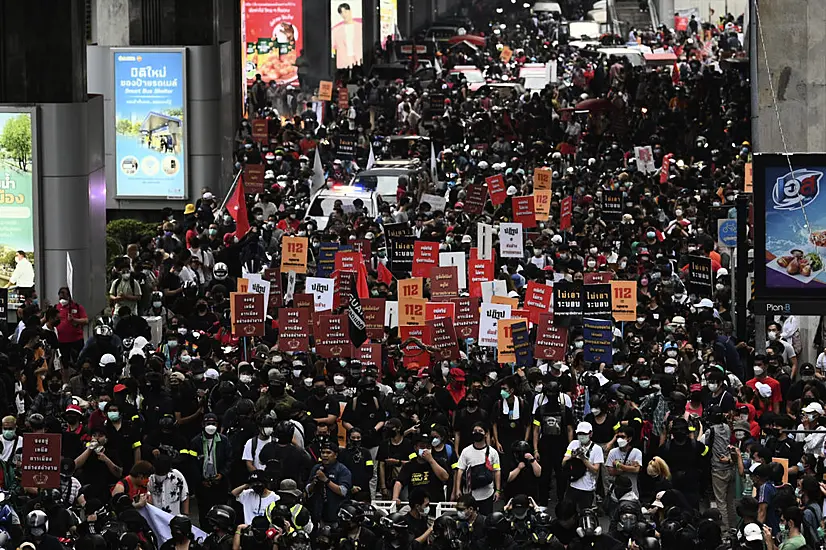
[(483, 165), (107, 359), (220, 271)]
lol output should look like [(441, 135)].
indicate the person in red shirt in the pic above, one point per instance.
[(70, 327), (762, 376)]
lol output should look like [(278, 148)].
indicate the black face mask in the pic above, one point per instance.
[(478, 436), (320, 391), (680, 437), (258, 488), (277, 389)]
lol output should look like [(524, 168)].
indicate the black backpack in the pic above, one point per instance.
[(809, 531), (576, 467)]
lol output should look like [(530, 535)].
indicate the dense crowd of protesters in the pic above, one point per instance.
[(688, 436)]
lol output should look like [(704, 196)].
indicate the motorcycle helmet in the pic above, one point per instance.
[(589, 526), (497, 522), (518, 449), (220, 271), (222, 517), (284, 431), (37, 522), (180, 526)]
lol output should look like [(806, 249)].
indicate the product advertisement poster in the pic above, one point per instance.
[(16, 192), (150, 123), (791, 205), (271, 38), (346, 33)]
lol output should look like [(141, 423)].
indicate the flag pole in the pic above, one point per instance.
[(229, 193)]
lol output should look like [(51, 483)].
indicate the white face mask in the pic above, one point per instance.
[(622, 442), (669, 369), (591, 263), (596, 411), (267, 431), (583, 439), (296, 373), (758, 371), (64, 302), (772, 335), (245, 378), (338, 380), (210, 429), (712, 387), (157, 305), (644, 384), (308, 382), (426, 510)]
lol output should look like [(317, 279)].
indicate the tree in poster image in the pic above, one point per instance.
[(16, 141)]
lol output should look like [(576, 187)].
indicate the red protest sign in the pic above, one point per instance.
[(477, 196), (294, 329), (565, 209), (364, 246), (479, 271), (444, 282), (551, 341), (443, 337), (496, 188), (374, 317), (332, 336), (348, 260), (414, 356), (474, 254), (466, 319), (425, 257), (370, 356), (41, 460), (523, 211), (247, 312), (436, 310), (254, 178), (538, 299), (597, 278), (273, 276), (261, 130), (344, 287), (664, 168)]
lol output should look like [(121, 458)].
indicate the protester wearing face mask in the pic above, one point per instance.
[(468, 414), (789, 356), (422, 471), (252, 448), (761, 376), (255, 495), (583, 482), (684, 457), (481, 462), (214, 461), (356, 459), (168, 488), (70, 329), (718, 394)]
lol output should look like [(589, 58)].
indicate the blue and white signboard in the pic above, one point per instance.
[(150, 128), (727, 232)]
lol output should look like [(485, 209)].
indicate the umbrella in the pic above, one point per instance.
[(476, 40), (594, 104)]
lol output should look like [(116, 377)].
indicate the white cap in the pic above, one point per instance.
[(766, 391), (369, 235), (752, 532), (107, 359), (658, 502), (812, 408), (136, 351), (722, 272), (678, 320), (671, 361), (211, 374), (298, 363), (705, 302), (511, 191), (467, 239), (584, 428), (208, 196)]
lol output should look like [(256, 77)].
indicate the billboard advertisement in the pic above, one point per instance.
[(150, 123), (388, 19), (17, 210), (346, 33), (271, 38), (790, 227)]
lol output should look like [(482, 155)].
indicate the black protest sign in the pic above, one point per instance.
[(596, 301), (699, 276), (612, 205), (567, 302), (346, 149)]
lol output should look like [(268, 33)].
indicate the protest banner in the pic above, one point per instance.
[(332, 336), (294, 329), (542, 205), (489, 317), (374, 316), (458, 260), (523, 211), (273, 276), (612, 205), (477, 196), (538, 298), (348, 260), (567, 302), (504, 341), (414, 357), (412, 311), (322, 290), (466, 318), (551, 340), (596, 301), (699, 276), (599, 277), (436, 310), (566, 207), (41, 460), (411, 288), (522, 347), (443, 337), (247, 314), (511, 240), (425, 257), (624, 300), (542, 179), (326, 262), (479, 271), (598, 335), (496, 188)]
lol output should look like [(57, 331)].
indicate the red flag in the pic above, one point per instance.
[(361, 281), (237, 208), (675, 74), (384, 275)]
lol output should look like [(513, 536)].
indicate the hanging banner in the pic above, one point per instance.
[(551, 340), (496, 188), (511, 240), (566, 206), (477, 196), (414, 357), (374, 314), (489, 317), (479, 271), (542, 179), (624, 300), (322, 290), (326, 262), (484, 240), (466, 319), (458, 260), (612, 205), (346, 33), (700, 281), (444, 282), (443, 337), (598, 335), (411, 288), (294, 328), (437, 310), (645, 159), (247, 313), (425, 257), (332, 336), (522, 347), (538, 300), (542, 205), (412, 311), (523, 211), (348, 260), (150, 108), (567, 302), (596, 301), (294, 254), (273, 276), (504, 341)]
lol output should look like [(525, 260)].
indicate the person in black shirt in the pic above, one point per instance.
[(419, 511), (323, 408), (511, 418), (524, 478), (204, 320), (131, 326), (422, 471), (565, 524), (99, 467), (553, 429), (464, 420), (361, 466), (393, 453), (290, 461)]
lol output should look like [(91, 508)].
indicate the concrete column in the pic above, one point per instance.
[(111, 21), (665, 9)]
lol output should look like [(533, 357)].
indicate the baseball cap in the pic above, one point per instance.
[(812, 407), (705, 302), (766, 391), (119, 388), (752, 532), (74, 409), (584, 428)]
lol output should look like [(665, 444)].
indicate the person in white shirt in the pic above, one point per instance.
[(254, 496), (252, 448), (789, 355), (23, 275), (481, 462), (168, 487), (12, 443), (625, 459), (581, 490)]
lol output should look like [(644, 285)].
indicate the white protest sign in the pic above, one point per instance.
[(323, 290), (458, 259), (489, 316), (391, 314), (645, 159), (435, 201), (258, 285), (511, 241), (484, 241), (493, 288)]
